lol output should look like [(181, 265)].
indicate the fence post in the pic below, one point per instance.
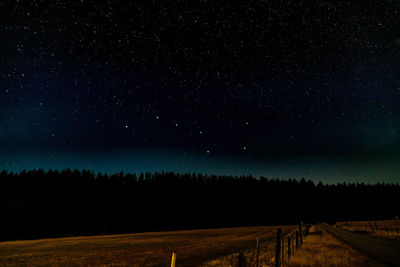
[(241, 260), (301, 233), (278, 247), (376, 227), (283, 251), (288, 246), (257, 252), (297, 240), (173, 260)]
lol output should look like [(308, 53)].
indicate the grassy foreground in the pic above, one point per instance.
[(193, 247)]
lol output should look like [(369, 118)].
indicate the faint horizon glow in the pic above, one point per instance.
[(327, 170)]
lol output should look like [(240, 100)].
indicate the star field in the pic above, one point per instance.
[(261, 81)]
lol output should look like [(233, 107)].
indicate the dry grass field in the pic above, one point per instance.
[(266, 257), (322, 249), (193, 247), (388, 229)]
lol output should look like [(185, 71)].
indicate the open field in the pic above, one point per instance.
[(322, 249), (193, 247), (385, 228)]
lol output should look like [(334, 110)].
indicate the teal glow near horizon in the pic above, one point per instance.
[(327, 170)]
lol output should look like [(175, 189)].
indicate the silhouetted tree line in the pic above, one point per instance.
[(37, 203)]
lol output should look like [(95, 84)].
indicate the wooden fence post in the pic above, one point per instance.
[(301, 233), (288, 246), (173, 260), (297, 240), (283, 251), (241, 260), (278, 247), (257, 252)]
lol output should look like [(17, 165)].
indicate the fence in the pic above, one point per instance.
[(294, 241), (373, 227)]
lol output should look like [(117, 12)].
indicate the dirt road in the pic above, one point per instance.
[(386, 251)]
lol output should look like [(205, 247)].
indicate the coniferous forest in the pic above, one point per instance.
[(38, 203)]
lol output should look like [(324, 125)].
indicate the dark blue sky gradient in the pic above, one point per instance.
[(291, 89)]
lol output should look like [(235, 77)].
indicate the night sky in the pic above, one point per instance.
[(274, 88)]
